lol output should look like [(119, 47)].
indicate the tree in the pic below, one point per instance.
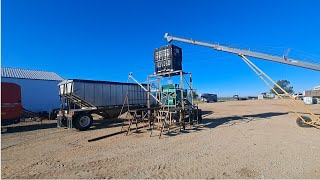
[(284, 84)]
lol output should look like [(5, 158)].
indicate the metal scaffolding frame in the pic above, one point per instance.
[(162, 115)]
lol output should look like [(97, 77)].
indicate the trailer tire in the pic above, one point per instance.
[(82, 122), (53, 115), (301, 123)]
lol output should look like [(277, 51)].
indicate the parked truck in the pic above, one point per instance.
[(82, 98), (206, 97)]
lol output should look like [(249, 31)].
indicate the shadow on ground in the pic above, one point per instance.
[(205, 124), (206, 113), (22, 127), (233, 120), (105, 123), (110, 123), (26, 126)]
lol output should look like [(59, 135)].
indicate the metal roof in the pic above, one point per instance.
[(29, 74)]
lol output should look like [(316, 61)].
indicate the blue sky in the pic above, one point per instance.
[(107, 39)]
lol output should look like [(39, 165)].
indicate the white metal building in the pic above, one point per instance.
[(39, 89)]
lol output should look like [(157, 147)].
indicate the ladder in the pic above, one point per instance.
[(78, 101)]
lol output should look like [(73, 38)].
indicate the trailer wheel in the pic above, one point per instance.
[(53, 115), (301, 123), (82, 122)]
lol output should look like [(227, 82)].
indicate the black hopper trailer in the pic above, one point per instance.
[(82, 98)]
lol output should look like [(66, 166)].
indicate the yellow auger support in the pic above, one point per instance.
[(304, 119)]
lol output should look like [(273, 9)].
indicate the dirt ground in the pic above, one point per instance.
[(238, 139)]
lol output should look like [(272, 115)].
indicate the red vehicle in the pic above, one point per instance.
[(11, 107)]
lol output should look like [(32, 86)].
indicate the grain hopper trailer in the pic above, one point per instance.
[(82, 98)]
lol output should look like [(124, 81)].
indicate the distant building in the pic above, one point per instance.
[(317, 88), (39, 89), (267, 95)]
